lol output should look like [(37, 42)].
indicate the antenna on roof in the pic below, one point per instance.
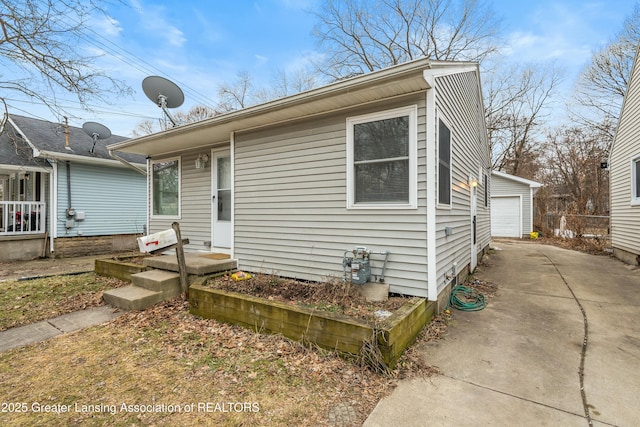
[(164, 93), (96, 131)]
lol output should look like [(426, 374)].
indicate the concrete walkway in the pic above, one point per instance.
[(71, 322), (518, 362)]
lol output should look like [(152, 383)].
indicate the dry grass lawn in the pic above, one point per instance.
[(166, 367), (183, 370)]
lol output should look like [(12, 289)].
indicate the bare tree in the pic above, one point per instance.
[(516, 104), (363, 36), (195, 114), (285, 83), (574, 157), (41, 55), (236, 95), (602, 84)]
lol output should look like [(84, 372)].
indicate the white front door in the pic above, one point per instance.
[(474, 227), (221, 190)]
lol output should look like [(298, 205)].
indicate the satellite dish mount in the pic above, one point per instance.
[(96, 131), (164, 93)]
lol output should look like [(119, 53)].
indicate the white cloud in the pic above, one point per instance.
[(106, 26), (154, 21)]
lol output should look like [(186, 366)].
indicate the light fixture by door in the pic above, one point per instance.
[(201, 161)]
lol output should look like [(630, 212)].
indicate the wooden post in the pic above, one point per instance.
[(182, 265)]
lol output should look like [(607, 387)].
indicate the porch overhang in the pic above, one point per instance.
[(360, 90)]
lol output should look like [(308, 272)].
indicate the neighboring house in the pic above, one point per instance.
[(512, 205), (394, 160), (60, 196), (624, 175)]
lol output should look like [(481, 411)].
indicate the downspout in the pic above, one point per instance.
[(129, 164), (431, 159), (69, 206), (149, 203)]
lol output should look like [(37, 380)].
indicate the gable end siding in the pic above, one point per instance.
[(459, 102)]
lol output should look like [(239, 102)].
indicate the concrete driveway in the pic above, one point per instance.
[(518, 362)]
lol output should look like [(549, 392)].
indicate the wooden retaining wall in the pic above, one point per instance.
[(332, 331)]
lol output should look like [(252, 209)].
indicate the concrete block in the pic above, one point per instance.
[(373, 291), (196, 264), (132, 297), (167, 282)]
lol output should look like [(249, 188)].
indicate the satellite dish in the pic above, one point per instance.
[(96, 131), (164, 93)]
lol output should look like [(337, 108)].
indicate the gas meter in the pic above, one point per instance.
[(357, 263)]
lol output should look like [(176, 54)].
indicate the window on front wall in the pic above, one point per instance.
[(166, 187), (444, 164), (382, 156)]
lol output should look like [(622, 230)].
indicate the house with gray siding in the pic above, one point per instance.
[(512, 205), (61, 195), (624, 175), (395, 160)]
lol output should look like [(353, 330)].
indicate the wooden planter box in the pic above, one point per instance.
[(119, 269), (332, 331)]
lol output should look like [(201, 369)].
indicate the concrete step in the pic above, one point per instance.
[(199, 265), (132, 297), (166, 282)]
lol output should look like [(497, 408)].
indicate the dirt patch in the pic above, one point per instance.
[(48, 266), (333, 297)]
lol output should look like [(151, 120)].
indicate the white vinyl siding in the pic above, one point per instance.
[(459, 104), (625, 210), (291, 215)]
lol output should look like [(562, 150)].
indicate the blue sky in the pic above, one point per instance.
[(201, 44)]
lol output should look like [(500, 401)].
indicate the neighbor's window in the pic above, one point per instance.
[(166, 187), (636, 179), (486, 190), (444, 164), (382, 157)]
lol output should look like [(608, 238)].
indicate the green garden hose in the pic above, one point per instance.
[(466, 299)]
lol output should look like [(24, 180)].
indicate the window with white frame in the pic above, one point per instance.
[(635, 164), (381, 157), (444, 164), (166, 187)]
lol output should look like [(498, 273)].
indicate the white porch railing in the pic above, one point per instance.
[(22, 218)]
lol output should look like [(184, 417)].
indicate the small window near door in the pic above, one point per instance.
[(444, 164), (166, 187), (635, 180), (486, 190)]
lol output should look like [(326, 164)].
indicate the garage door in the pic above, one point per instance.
[(505, 216)]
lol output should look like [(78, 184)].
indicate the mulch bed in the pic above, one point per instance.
[(334, 297)]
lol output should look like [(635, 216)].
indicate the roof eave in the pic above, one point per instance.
[(258, 115)]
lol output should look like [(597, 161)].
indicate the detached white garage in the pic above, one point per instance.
[(511, 205)]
